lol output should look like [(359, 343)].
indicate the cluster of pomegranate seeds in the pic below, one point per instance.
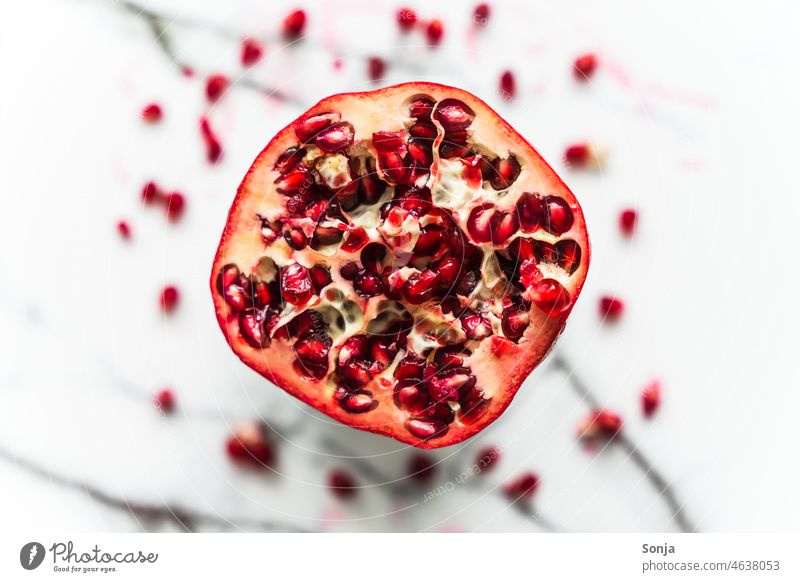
[(406, 19), (508, 85), (421, 468), (252, 51), (216, 85), (488, 458), (611, 308), (174, 203), (627, 221), (124, 229), (584, 67), (599, 426), (376, 67), (249, 445), (294, 24), (522, 488), (169, 298), (481, 14), (342, 484), (651, 398), (151, 113), (164, 400), (210, 141)]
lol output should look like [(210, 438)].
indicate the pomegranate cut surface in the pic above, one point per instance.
[(401, 260)]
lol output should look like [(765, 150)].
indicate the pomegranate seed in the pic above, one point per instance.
[(481, 14), (216, 85), (367, 285), (515, 322), (627, 221), (530, 211), (150, 193), (425, 428), (476, 326), (213, 146), (124, 229), (295, 238), (309, 128), (176, 204), (559, 217), (152, 113), (252, 51), (294, 24), (320, 276), (550, 296), (421, 109), (376, 66), (508, 86), (522, 488), (568, 255), (349, 271), (406, 19), (504, 172), (584, 66), (342, 485), (421, 468), (358, 403), (454, 115), (434, 32), (296, 284), (611, 308), (335, 138), (651, 398), (249, 445), (488, 458), (169, 298), (600, 425), (418, 288), (164, 400), (582, 156)]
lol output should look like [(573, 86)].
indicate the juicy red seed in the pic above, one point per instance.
[(611, 308), (559, 217), (515, 322), (406, 19), (293, 181), (651, 398), (488, 458), (447, 269), (176, 204), (372, 257), (584, 66), (504, 225), (421, 468), (522, 488), (376, 67), (430, 238), (252, 52), (418, 288), (307, 129), (326, 235), (150, 193), (410, 398), (355, 240), (578, 155), (216, 85), (312, 351), (342, 485), (367, 285), (335, 138), (211, 141), (508, 85), (600, 424), (295, 238), (521, 248), (349, 271), (251, 324), (251, 447), (434, 32), (478, 223), (568, 254), (289, 159), (550, 296), (296, 284), (394, 168), (388, 141), (164, 400), (481, 14), (124, 229), (358, 403), (467, 283), (529, 273), (409, 368), (423, 131), (505, 172), (627, 221), (152, 113), (453, 115), (475, 326), (169, 298), (421, 109), (294, 24), (425, 428), (420, 152), (530, 211), (320, 277)]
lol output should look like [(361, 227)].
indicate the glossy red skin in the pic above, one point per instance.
[(525, 360)]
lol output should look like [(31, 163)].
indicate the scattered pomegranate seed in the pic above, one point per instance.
[(249, 445), (124, 229), (342, 485), (187, 71), (627, 221), (169, 298), (584, 66), (421, 468), (600, 425), (611, 308), (376, 66), (522, 488), (651, 398), (252, 51), (294, 24), (150, 193), (216, 85), (213, 146), (152, 113), (583, 155), (164, 400), (508, 85), (481, 14), (406, 19), (176, 204), (434, 32), (488, 458)]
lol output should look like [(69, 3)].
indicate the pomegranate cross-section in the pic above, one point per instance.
[(401, 260)]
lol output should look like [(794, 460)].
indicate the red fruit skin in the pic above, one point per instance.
[(504, 359)]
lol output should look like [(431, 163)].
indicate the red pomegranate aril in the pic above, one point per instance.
[(359, 403), (515, 322), (421, 468), (216, 85), (409, 368), (559, 218), (169, 298), (307, 129), (335, 138), (249, 445), (479, 223), (488, 458), (372, 257), (508, 86), (312, 352), (475, 326), (252, 51), (296, 284), (430, 238), (550, 296), (531, 212), (320, 277), (355, 240), (425, 428), (151, 193), (466, 284), (568, 254), (627, 221), (505, 172), (367, 285), (611, 308), (176, 205), (294, 24), (600, 425), (376, 67), (326, 235), (529, 273), (349, 271), (584, 67), (164, 400), (388, 141), (481, 14), (418, 288), (342, 485), (421, 109), (210, 140), (434, 32), (406, 19), (124, 229), (151, 113), (292, 181), (522, 488), (578, 155), (289, 159), (504, 225), (420, 152), (453, 115), (423, 131), (651, 398), (447, 269), (296, 238), (251, 324)]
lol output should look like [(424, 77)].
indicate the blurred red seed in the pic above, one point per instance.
[(600, 424), (627, 221), (210, 140), (488, 458), (176, 204), (249, 445), (376, 66), (651, 398), (151, 113), (434, 32), (187, 71), (522, 488), (294, 24), (124, 229), (481, 14), (508, 85), (584, 67), (342, 485), (421, 468), (578, 155), (150, 193), (611, 308), (252, 51), (216, 85), (406, 19), (164, 400), (169, 298)]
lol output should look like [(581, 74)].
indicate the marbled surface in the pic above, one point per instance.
[(697, 106)]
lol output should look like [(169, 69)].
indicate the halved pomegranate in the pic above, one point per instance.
[(401, 260)]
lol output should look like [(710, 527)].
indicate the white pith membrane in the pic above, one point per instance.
[(361, 387)]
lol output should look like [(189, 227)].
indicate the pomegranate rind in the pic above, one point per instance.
[(499, 365)]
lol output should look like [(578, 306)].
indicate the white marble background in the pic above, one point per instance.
[(697, 103)]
